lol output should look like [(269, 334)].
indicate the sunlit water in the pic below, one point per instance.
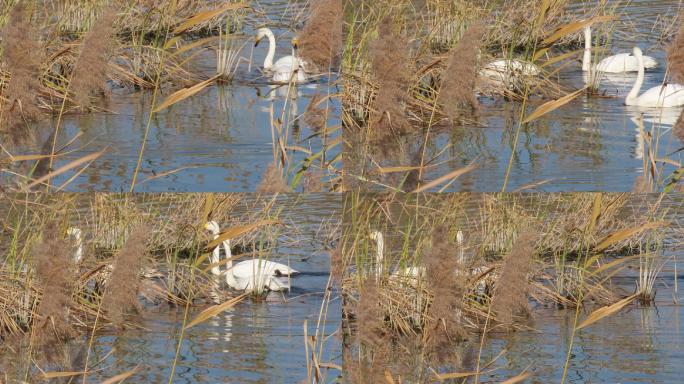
[(590, 144), (254, 342), (218, 140)]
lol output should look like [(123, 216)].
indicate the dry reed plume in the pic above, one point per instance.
[(55, 276), (123, 287), (273, 181), (442, 265), (391, 64), (675, 63), (90, 72), (461, 74), (370, 315), (675, 55), (510, 299), (22, 58), (321, 39)]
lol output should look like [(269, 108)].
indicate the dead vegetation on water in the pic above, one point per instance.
[(456, 267)]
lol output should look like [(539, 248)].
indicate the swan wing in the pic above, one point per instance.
[(624, 62), (670, 95), (254, 267)]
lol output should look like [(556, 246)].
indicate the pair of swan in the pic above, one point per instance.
[(253, 275), (287, 68), (662, 96)]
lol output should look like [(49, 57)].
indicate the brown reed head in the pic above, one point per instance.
[(391, 65), (124, 283), (320, 42), (54, 266), (459, 78), (90, 72), (445, 277), (510, 301), (22, 57), (273, 181), (675, 55)]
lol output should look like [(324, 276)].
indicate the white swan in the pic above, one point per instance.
[(620, 63), (75, 233), (285, 67), (505, 71), (414, 272), (662, 96), (254, 275)]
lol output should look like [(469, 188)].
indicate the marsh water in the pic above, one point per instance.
[(639, 344), (254, 342), (590, 144), (219, 140)]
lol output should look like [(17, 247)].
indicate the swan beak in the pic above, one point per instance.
[(256, 41), (295, 43)]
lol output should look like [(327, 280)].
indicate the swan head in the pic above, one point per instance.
[(637, 51), (376, 236), (261, 33), (212, 227), (295, 43), (74, 233)]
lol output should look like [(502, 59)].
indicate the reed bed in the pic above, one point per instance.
[(153, 246), (485, 262), (454, 49)]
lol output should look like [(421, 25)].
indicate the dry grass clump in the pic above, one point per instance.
[(90, 72), (123, 287), (442, 265), (461, 74), (510, 299), (22, 57), (321, 39), (54, 268), (391, 65), (273, 181)]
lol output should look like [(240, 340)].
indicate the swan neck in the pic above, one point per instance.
[(229, 254), (78, 255), (268, 62), (215, 257), (634, 93), (379, 253), (586, 59), (230, 277)]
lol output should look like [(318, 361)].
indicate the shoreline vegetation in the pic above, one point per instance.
[(455, 269), (77, 266), (414, 70)]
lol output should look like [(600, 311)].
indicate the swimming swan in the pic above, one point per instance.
[(505, 71), (620, 63), (662, 96), (284, 68), (250, 275)]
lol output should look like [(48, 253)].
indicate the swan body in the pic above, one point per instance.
[(662, 96), (620, 63), (504, 70), (254, 275), (287, 67)]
